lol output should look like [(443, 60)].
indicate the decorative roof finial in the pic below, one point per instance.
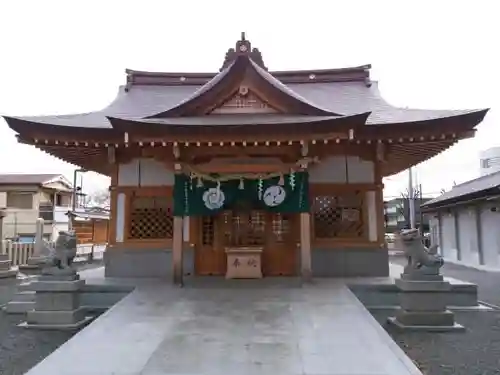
[(243, 47)]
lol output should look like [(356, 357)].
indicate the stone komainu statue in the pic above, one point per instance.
[(421, 260), (60, 257)]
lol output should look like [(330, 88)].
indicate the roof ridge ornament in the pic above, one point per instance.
[(243, 48)]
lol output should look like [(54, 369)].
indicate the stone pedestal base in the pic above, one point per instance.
[(57, 304), (34, 264), (5, 267), (423, 306), (56, 320), (395, 321)]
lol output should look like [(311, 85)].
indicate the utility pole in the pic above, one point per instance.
[(74, 196), (421, 202), (411, 198)]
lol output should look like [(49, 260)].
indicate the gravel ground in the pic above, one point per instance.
[(20, 348), (474, 352)]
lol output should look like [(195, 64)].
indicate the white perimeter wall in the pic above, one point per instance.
[(470, 235)]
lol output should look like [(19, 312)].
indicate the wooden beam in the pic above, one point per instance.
[(305, 246), (177, 243)]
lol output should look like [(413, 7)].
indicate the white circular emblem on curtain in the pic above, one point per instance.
[(274, 196), (213, 198)]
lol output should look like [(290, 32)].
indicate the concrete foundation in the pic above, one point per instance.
[(335, 262)]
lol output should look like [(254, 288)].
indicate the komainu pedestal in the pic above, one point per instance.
[(57, 291), (423, 291)]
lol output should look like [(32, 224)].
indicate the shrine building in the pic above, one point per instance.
[(279, 169)]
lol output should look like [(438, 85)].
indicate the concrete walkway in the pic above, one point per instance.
[(231, 327)]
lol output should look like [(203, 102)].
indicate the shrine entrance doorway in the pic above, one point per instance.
[(276, 233)]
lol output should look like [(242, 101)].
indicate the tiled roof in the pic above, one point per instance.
[(462, 191), (26, 179), (346, 98)]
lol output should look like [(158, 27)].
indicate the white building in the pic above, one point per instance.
[(465, 222), (489, 161)]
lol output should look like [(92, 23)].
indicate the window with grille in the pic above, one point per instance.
[(150, 218), (338, 216)]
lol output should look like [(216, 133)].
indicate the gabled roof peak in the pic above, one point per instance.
[(243, 48)]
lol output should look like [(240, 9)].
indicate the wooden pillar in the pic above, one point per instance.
[(305, 246), (177, 250)]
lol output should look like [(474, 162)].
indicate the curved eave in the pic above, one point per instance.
[(402, 156), (92, 159), (442, 132), (41, 130), (227, 82), (449, 121), (174, 128)]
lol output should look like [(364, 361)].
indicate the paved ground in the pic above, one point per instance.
[(259, 327), (475, 352), (21, 349)]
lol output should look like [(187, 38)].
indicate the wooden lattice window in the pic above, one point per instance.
[(208, 230), (151, 218), (281, 227), (339, 216), (244, 229)]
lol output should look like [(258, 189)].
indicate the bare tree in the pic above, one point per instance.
[(100, 199)]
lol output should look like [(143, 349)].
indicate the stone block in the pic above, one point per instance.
[(30, 268), (421, 277), (425, 318), (27, 296), (5, 264), (19, 307), (423, 301), (57, 301), (422, 286), (55, 317), (7, 273), (25, 287), (402, 327), (69, 277), (38, 261), (57, 286)]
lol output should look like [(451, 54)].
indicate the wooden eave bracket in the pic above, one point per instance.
[(111, 155), (381, 152)]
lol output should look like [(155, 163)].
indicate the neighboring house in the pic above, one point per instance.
[(465, 222), (91, 225), (397, 214), (489, 161), (27, 197)]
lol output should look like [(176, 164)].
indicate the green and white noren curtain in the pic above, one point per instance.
[(197, 197)]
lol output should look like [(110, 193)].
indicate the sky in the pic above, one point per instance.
[(61, 57)]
